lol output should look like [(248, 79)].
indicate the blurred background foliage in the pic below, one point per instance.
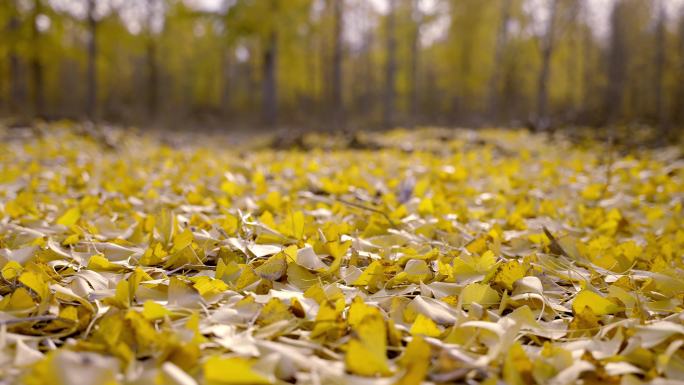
[(341, 63)]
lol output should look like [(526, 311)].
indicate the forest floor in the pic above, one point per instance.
[(428, 255)]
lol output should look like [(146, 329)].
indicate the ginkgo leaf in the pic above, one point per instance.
[(20, 299), (508, 273), (479, 293), (70, 217), (100, 263), (517, 367), (35, 282), (293, 225), (371, 276), (425, 326), (182, 240), (232, 371), (153, 311), (416, 361), (595, 302), (367, 351), (273, 268), (274, 310), (11, 270)]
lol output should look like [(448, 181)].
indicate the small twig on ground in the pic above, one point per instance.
[(40, 318), (308, 195)]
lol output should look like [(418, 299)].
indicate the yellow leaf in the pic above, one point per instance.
[(122, 295), (426, 207), (182, 240), (358, 310), (11, 270), (153, 311), (231, 371), (517, 367), (35, 282), (230, 188), (70, 217), (597, 304), (479, 293), (98, 262), (274, 310), (20, 299), (593, 191), (371, 276), (273, 268), (231, 224), (508, 273), (337, 250), (367, 351), (477, 246), (416, 361), (207, 286), (247, 277), (300, 277), (71, 239), (425, 326), (329, 323), (165, 223), (293, 225)]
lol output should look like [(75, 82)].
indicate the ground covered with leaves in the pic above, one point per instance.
[(437, 256)]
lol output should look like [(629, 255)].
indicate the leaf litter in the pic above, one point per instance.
[(439, 256)]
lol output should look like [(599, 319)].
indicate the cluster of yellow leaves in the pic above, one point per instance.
[(439, 256)]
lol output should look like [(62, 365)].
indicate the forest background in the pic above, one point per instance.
[(345, 63)]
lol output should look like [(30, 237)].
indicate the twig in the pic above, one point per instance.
[(319, 198), (39, 318)]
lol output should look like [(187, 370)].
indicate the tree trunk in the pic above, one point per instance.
[(586, 106), (415, 60), (616, 64), (390, 66), (36, 64), (91, 97), (573, 67), (499, 49), (226, 94), (16, 97), (269, 87), (152, 78), (542, 122), (152, 66), (367, 106), (660, 70), (679, 109), (337, 101)]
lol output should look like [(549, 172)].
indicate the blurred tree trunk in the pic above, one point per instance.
[(91, 96), (151, 59), (679, 107), (269, 88), (499, 48), (16, 97), (390, 66), (152, 78), (573, 62), (548, 43), (616, 64), (367, 100), (660, 70), (338, 31), (226, 92), (36, 64), (587, 57), (417, 17)]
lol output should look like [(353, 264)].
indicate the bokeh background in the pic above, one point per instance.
[(333, 64)]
